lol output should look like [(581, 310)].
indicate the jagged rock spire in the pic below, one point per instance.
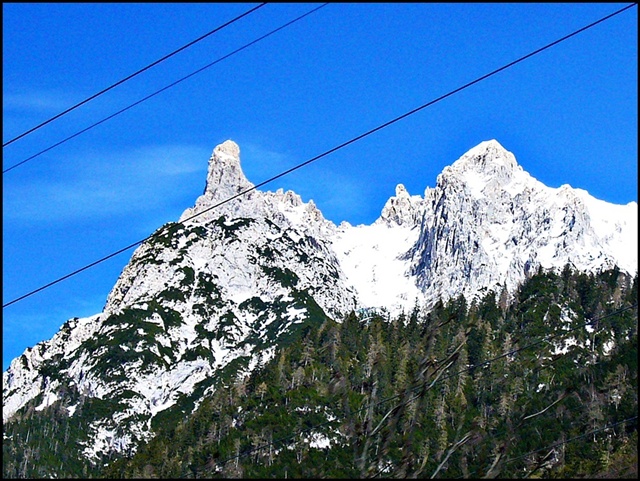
[(229, 288), (403, 209), (225, 177)]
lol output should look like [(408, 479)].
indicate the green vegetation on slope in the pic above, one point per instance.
[(487, 389)]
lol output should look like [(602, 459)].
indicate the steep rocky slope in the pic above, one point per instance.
[(215, 293)]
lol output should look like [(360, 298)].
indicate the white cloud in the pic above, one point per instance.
[(102, 185), (107, 184), (260, 163), (37, 102)]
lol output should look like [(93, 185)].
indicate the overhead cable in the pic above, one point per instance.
[(165, 88), (133, 74), (420, 386), (330, 151)]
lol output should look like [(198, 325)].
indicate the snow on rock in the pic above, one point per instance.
[(200, 293), (402, 210), (489, 224), (371, 257)]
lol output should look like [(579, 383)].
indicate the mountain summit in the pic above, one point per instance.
[(216, 293), (491, 224), (225, 174), (489, 158), (225, 180)]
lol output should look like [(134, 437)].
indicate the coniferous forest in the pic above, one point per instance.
[(542, 384)]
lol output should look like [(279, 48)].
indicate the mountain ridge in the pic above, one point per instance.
[(222, 287)]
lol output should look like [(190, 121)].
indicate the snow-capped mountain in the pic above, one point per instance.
[(218, 291), (486, 225)]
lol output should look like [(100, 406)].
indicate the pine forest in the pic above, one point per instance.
[(540, 385)]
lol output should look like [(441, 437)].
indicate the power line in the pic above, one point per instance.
[(560, 443), (551, 446), (421, 386), (133, 74), (330, 151), (164, 88), (547, 339)]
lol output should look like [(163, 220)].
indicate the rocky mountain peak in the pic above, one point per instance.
[(401, 191), (225, 176), (402, 209), (487, 165), (487, 156), (200, 300), (225, 179)]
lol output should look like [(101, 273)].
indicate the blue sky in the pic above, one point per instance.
[(568, 114)]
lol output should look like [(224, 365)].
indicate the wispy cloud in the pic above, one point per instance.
[(260, 163), (110, 184), (338, 196), (107, 184), (50, 102)]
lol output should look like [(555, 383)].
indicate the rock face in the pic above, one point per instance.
[(403, 209), (216, 292), (491, 224)]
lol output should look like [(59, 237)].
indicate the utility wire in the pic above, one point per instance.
[(330, 151), (134, 74), (440, 378), (551, 446), (164, 88), (540, 341)]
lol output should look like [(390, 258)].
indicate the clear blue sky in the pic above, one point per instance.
[(568, 114)]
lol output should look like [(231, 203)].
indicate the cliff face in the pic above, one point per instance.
[(217, 292), (488, 224)]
